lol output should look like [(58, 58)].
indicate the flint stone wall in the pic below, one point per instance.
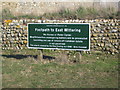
[(105, 33)]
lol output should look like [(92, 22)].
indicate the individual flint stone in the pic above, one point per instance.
[(102, 41), (93, 41), (116, 43), (95, 38), (109, 34), (11, 24), (101, 31), (98, 44), (111, 41), (100, 35), (116, 24), (66, 21), (25, 27), (94, 35), (115, 27), (8, 32), (17, 47), (20, 21), (8, 35), (25, 42), (3, 36), (114, 31), (98, 25), (102, 44), (105, 35), (113, 50), (112, 24), (114, 37), (17, 38), (98, 41), (109, 28), (19, 35), (108, 45)]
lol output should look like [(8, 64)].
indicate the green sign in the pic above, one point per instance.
[(66, 36)]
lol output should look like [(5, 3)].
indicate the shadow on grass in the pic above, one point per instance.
[(26, 56)]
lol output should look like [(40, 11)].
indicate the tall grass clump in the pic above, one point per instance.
[(81, 12), (62, 14), (93, 13), (66, 13), (108, 13), (6, 14)]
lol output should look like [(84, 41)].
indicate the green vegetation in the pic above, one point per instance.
[(29, 17), (84, 13), (95, 70), (6, 14), (80, 13)]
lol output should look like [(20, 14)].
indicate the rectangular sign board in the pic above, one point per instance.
[(66, 36)]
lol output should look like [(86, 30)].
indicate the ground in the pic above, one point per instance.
[(22, 69)]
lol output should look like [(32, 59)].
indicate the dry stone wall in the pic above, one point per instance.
[(105, 33)]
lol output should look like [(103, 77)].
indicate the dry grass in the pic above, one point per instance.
[(27, 72)]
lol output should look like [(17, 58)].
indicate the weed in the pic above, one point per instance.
[(6, 14)]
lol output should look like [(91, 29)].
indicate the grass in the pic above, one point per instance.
[(7, 14), (80, 13), (95, 70), (84, 13)]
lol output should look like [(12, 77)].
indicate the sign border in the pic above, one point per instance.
[(59, 48)]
